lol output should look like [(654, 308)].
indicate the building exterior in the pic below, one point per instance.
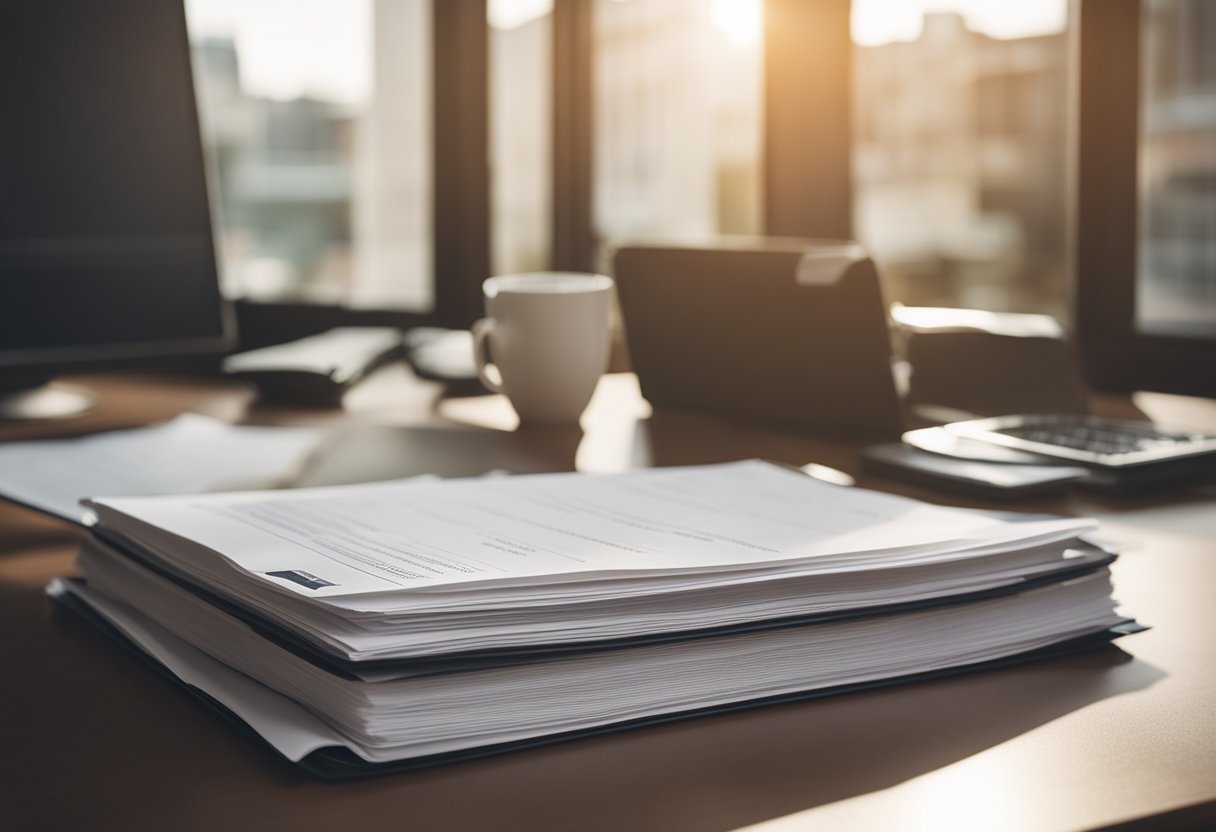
[(1177, 246), (327, 200), (677, 122), (959, 166)]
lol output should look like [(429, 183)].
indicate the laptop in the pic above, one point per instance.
[(788, 333)]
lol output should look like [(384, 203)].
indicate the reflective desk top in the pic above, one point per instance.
[(91, 738)]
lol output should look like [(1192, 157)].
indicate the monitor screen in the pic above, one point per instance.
[(106, 249)]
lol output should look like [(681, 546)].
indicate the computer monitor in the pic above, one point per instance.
[(106, 247)]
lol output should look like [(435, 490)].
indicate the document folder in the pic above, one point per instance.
[(387, 626), (341, 764), (292, 642)]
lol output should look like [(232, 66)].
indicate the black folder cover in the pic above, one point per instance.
[(339, 763)]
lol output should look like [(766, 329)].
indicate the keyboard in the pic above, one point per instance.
[(1092, 440)]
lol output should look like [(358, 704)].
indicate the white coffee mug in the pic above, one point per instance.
[(549, 339)]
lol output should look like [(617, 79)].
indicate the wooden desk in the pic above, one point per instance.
[(90, 738)]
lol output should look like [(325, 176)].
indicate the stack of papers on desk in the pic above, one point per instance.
[(401, 623)]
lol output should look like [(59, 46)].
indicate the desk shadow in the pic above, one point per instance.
[(817, 753), (723, 772), (372, 453)]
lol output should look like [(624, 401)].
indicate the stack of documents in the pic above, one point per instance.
[(396, 624)]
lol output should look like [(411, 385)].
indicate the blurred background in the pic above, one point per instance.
[(320, 120)]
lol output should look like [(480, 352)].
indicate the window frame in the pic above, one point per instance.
[(808, 81)]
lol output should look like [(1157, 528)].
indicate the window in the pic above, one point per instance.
[(960, 147), (1176, 274), (521, 128), (677, 116), (555, 126), (317, 115)]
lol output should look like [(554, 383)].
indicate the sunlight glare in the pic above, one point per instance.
[(318, 48), (877, 22), (510, 14), (739, 20)]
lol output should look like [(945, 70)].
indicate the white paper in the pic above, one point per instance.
[(431, 634), (184, 456), (399, 719), (287, 726), (410, 536)]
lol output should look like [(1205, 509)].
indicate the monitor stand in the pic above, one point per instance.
[(43, 400)]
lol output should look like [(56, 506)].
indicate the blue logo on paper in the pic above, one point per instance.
[(305, 579)]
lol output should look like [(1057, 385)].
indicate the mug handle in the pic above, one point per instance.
[(481, 331)]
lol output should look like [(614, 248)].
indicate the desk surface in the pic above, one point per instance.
[(93, 739)]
